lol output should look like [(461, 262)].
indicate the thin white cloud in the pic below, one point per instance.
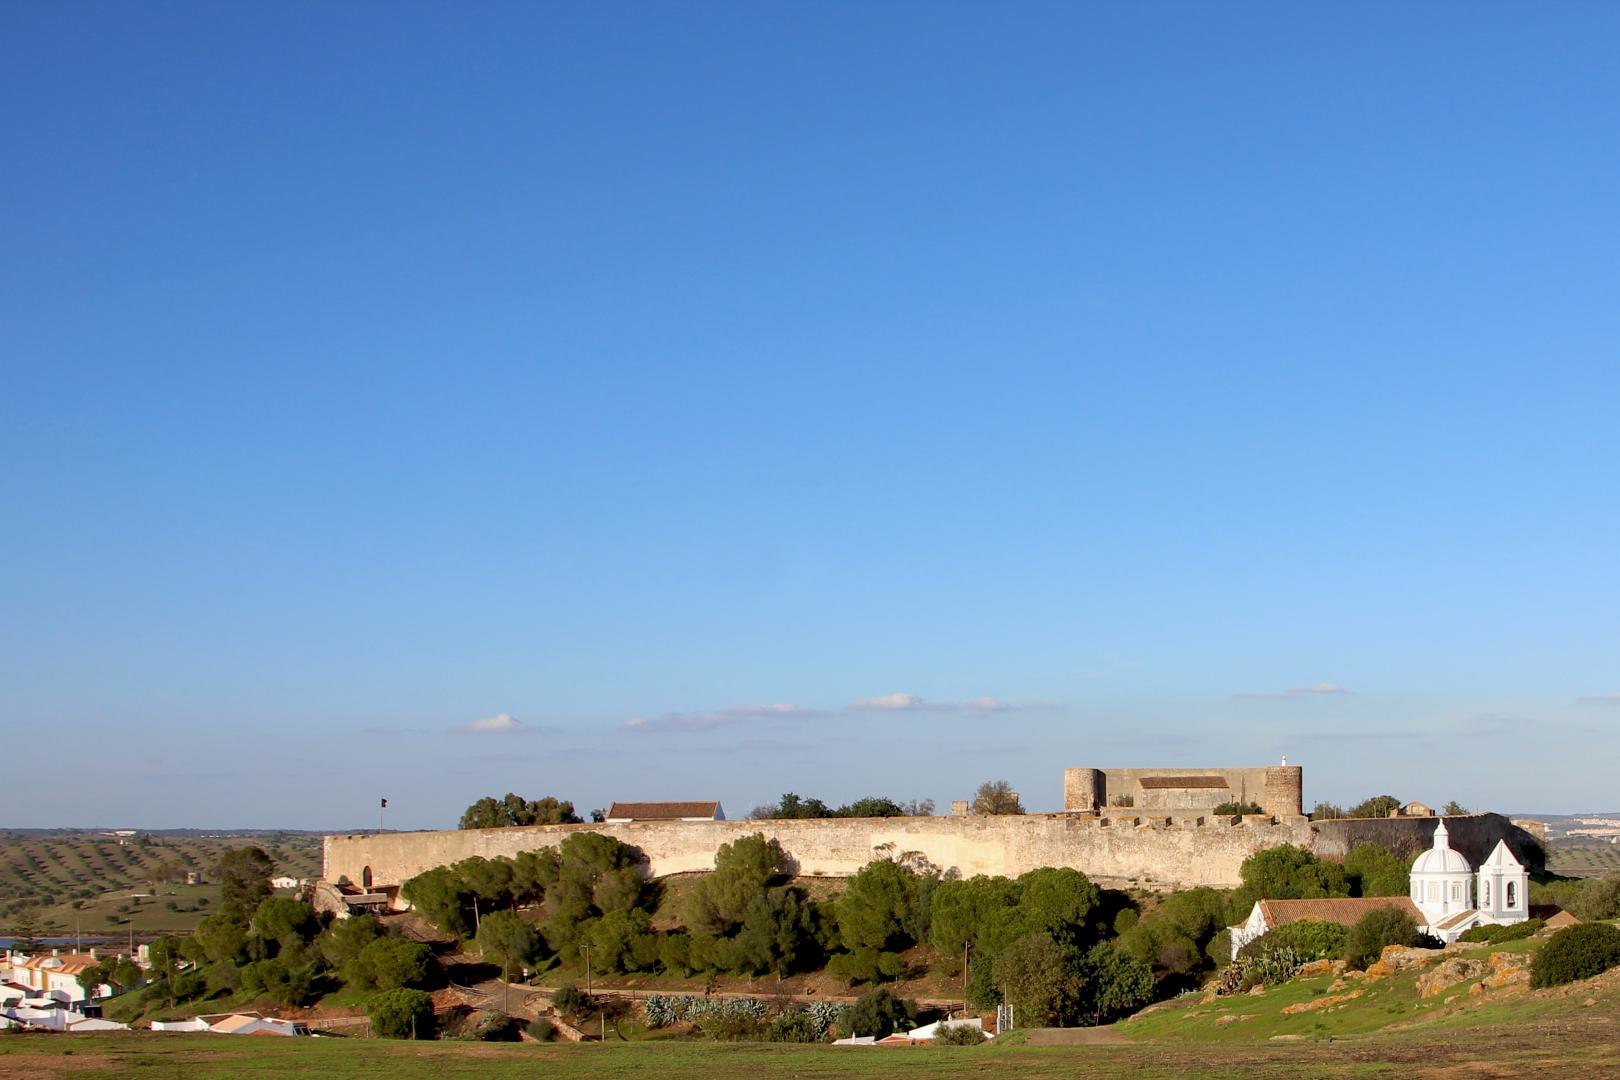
[(707, 721), (1599, 699), (499, 724), (1321, 689), (902, 702)]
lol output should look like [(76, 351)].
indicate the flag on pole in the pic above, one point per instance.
[(385, 804)]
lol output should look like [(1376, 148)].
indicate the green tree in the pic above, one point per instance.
[(244, 879), (506, 940), (623, 941), (875, 903), (1376, 930), (719, 902), (1058, 901), (782, 931), (400, 1014), (218, 939), (1042, 980), (1325, 811), (1116, 984), (284, 921), (878, 1013), (512, 810), (389, 963), (442, 898), (1377, 806), (1373, 870), (1287, 872), (872, 806), (1454, 809), (341, 943), (792, 807), (996, 797), (91, 980)]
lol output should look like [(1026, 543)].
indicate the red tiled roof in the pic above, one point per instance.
[(1344, 910), (1457, 919), (1151, 783), (662, 811)]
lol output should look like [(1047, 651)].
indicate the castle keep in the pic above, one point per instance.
[(1167, 838)]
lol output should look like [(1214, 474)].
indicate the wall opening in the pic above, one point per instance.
[(365, 879)]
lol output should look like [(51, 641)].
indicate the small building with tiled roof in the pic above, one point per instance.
[(621, 812)]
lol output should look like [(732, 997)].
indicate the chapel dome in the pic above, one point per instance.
[(1441, 861)]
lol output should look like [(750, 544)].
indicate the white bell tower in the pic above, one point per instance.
[(1504, 887)]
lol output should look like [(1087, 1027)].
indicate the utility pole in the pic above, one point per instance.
[(964, 980), (586, 949), (380, 810)]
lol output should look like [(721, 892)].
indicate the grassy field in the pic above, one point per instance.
[(1390, 1030), (117, 887)]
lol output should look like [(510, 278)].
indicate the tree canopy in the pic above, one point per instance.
[(492, 813), (997, 797)]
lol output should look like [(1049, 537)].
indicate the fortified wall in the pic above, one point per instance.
[(1166, 837), (1278, 789), (1157, 851)]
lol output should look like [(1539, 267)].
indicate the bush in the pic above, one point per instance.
[(1375, 931), (877, 1013), (570, 1000), (1230, 809), (541, 1030), (400, 1014), (793, 1026), (1310, 939), (959, 1035), (1494, 933), (1576, 952)]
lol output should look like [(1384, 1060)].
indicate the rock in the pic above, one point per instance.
[(1317, 1005), (1257, 991), (1223, 1021), (1504, 961), (1402, 956), (1503, 979), (1590, 1001), (1378, 969), (1287, 1038), (1315, 968), (1454, 970)]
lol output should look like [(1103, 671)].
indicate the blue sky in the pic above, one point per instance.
[(833, 398)]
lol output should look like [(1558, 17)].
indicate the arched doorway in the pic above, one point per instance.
[(365, 879)]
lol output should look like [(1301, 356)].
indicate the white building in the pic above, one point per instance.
[(622, 812), (1447, 897), (55, 975)]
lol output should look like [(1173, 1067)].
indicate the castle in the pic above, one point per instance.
[(1145, 827)]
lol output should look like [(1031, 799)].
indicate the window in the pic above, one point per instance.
[(1485, 894), (1456, 890), (1434, 890), (1511, 898)]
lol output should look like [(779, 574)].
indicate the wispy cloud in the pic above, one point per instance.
[(1599, 699), (916, 703), (1321, 689), (499, 724), (707, 721)]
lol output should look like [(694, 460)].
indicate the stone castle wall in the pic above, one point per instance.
[(1118, 848), (1277, 788), (1158, 851)]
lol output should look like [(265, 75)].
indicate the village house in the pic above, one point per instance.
[(621, 812), (54, 974)]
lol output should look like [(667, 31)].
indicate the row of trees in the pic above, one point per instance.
[(1377, 806), (794, 806)]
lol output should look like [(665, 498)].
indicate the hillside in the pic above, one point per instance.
[(93, 883)]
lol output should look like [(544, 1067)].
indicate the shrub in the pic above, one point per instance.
[(1494, 933), (541, 1030), (570, 1000), (793, 1026), (400, 1014), (1267, 967), (959, 1035), (1229, 809), (1576, 952), (877, 1013), (1310, 939), (1375, 931)]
